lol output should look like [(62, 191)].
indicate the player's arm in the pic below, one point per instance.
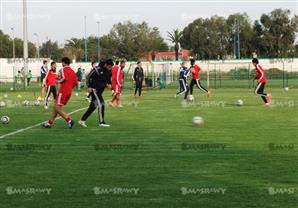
[(44, 82), (134, 75), (118, 77), (62, 77), (261, 72)]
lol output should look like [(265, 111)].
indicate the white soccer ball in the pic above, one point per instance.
[(26, 102), (11, 89), (239, 102), (190, 98), (197, 120), (5, 119), (5, 95), (286, 89), (2, 104), (36, 103)]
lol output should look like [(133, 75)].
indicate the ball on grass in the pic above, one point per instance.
[(239, 102), (5, 119), (197, 120)]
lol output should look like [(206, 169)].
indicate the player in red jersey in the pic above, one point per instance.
[(195, 69), (68, 81), (261, 77), (117, 81), (50, 83)]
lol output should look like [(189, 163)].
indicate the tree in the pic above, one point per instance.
[(51, 50), (246, 34), (206, 38), (134, 40), (6, 48), (175, 37), (276, 32), (74, 48)]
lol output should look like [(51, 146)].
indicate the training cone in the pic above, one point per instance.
[(39, 98), (19, 96)]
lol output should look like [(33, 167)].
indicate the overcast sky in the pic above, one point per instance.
[(61, 20)]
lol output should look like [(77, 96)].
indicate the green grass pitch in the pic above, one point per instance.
[(152, 155)]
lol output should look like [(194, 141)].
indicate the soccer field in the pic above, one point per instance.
[(152, 155)]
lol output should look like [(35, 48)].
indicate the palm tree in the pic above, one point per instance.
[(74, 46), (175, 38)]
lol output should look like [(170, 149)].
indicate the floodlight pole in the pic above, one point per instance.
[(25, 37), (238, 42), (86, 52), (37, 44), (98, 41), (13, 45)]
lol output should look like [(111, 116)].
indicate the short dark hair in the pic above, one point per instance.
[(45, 61), (192, 60), (109, 62), (117, 62), (65, 60), (255, 61), (52, 63), (138, 62), (93, 62)]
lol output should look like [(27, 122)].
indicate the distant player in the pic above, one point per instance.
[(138, 78), (68, 81), (99, 79), (260, 76), (50, 83), (183, 87), (195, 70), (117, 82)]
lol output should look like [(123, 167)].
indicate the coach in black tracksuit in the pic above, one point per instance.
[(138, 77), (97, 81)]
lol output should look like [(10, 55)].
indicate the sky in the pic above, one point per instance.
[(60, 20)]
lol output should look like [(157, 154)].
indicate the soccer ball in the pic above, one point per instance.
[(197, 120), (26, 102), (11, 89), (286, 89), (2, 104), (239, 102), (5, 95), (5, 119), (36, 103), (190, 98)]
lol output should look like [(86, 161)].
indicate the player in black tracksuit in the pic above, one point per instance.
[(138, 77), (97, 81)]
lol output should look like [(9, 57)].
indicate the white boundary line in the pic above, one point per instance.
[(33, 126)]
